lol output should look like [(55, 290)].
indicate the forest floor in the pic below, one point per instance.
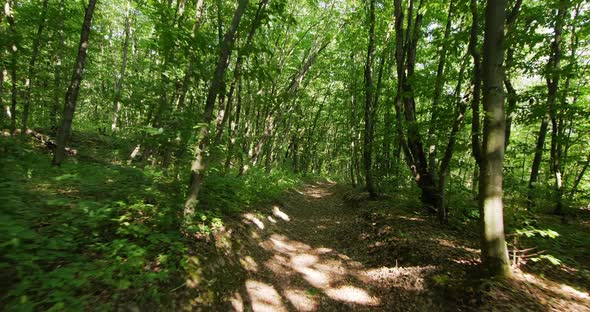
[(325, 248), (100, 234)]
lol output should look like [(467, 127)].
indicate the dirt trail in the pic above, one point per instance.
[(301, 262), (316, 251)]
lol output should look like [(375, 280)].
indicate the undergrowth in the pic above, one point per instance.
[(93, 234)]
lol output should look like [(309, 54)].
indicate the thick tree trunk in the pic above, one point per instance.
[(64, 133), (29, 80), (494, 253), (199, 164)]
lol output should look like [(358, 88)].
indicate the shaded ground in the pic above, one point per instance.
[(322, 249)]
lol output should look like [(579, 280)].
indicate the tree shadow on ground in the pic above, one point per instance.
[(314, 252)]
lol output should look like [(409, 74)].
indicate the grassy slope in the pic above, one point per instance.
[(95, 234)]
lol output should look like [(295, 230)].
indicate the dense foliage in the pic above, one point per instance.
[(130, 127)]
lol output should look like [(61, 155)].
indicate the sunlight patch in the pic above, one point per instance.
[(249, 264), (279, 214), (301, 300), (237, 302), (352, 294), (315, 278), (264, 297), (250, 217), (303, 260)]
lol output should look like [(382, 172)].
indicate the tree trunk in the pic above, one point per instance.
[(2, 75), (438, 85), (29, 80), (556, 117), (448, 154), (579, 177), (64, 133), (476, 81), (119, 83), (411, 141), (511, 96), (369, 89), (58, 66), (13, 62), (199, 164), (494, 254)]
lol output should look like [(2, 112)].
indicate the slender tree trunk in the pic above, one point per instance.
[(13, 62), (64, 133), (352, 120), (494, 253), (579, 177), (369, 91), (237, 70), (411, 141), (119, 83), (557, 116), (30, 78), (552, 78), (438, 85), (476, 81), (58, 66), (511, 97), (448, 154), (2, 75), (199, 164)]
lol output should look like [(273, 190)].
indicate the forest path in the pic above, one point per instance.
[(301, 261)]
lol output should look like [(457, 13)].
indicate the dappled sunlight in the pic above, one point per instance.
[(301, 300), (454, 244), (279, 214), (264, 297), (253, 219), (249, 264), (331, 275), (546, 285), (314, 191), (237, 302), (352, 294)]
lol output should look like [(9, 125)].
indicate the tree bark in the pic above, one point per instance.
[(579, 177), (64, 133), (13, 62), (58, 66), (494, 253), (369, 89), (411, 141), (438, 85), (29, 80), (119, 83), (448, 154), (557, 115), (552, 79), (476, 82), (199, 163)]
